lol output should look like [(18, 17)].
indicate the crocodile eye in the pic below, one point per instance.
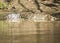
[(43, 0), (56, 1), (8, 0), (56, 15), (13, 7)]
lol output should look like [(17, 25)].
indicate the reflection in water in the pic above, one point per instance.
[(42, 18), (39, 18), (43, 30), (13, 17)]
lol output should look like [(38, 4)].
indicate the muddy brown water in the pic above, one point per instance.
[(31, 32)]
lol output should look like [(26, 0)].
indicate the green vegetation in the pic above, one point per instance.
[(3, 5), (4, 23), (5, 27), (3, 16)]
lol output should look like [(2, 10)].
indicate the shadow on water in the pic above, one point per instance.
[(38, 32), (45, 37)]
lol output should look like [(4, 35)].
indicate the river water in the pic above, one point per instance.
[(30, 32)]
